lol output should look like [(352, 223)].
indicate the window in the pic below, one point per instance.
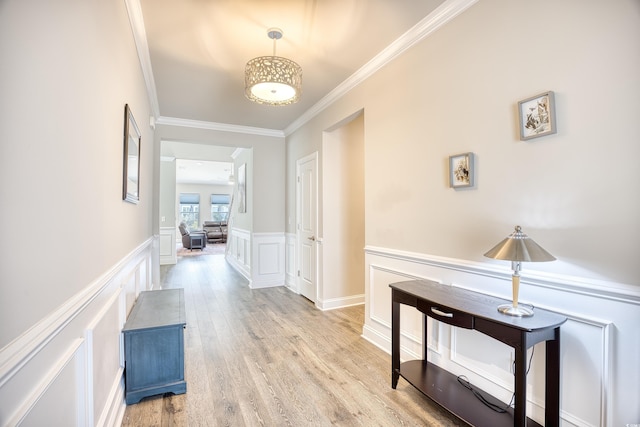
[(190, 209), (220, 207)]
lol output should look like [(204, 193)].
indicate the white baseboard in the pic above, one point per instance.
[(335, 303)]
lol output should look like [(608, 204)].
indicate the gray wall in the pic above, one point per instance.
[(167, 196), (68, 69), (457, 91)]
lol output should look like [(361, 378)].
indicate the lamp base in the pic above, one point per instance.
[(515, 311)]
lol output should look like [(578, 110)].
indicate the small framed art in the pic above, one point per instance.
[(461, 170), (537, 116)]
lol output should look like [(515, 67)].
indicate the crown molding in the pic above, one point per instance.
[(136, 21), (222, 127), (436, 19)]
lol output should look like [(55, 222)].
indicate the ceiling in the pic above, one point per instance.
[(200, 163), (203, 172), (198, 50)]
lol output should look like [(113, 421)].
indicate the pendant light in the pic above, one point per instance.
[(273, 80)]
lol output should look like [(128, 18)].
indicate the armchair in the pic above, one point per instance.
[(192, 239)]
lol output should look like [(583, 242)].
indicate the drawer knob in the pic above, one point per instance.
[(441, 313)]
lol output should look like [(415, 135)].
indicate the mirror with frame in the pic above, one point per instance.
[(131, 169)]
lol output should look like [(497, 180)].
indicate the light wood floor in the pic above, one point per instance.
[(268, 357)]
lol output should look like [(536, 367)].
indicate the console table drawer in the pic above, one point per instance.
[(446, 314)]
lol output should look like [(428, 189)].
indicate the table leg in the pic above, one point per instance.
[(520, 409), (552, 379), (425, 337), (395, 342)]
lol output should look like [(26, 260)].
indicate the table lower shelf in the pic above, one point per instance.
[(443, 387)]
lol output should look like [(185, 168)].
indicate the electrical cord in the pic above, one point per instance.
[(462, 379), (465, 382)]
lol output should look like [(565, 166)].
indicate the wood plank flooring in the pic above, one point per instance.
[(268, 357)]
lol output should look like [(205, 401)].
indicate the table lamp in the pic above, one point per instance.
[(518, 248)]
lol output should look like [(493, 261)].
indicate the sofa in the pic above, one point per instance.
[(196, 239), (216, 231)]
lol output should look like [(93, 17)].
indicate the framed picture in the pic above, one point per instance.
[(131, 162), (461, 170), (242, 188), (537, 116)]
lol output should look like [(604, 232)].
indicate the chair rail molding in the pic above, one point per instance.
[(581, 285)]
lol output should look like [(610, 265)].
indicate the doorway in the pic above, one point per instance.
[(343, 214), (330, 218), (202, 172), (307, 225)]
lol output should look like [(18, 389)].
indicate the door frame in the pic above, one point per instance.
[(311, 157)]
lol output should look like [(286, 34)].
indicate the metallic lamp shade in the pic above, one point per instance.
[(519, 247)]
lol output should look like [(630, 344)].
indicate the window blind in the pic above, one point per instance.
[(189, 199)]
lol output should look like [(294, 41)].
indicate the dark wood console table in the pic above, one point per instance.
[(473, 310)]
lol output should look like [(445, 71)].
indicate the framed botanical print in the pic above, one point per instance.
[(537, 116), (461, 170)]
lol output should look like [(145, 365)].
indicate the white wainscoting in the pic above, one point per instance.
[(168, 245), (67, 370), (599, 377), (268, 269), (239, 251), (259, 257)]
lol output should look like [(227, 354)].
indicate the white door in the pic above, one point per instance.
[(307, 225)]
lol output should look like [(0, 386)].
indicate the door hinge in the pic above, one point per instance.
[(298, 273), (298, 179)]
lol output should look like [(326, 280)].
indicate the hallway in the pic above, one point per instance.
[(268, 357)]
